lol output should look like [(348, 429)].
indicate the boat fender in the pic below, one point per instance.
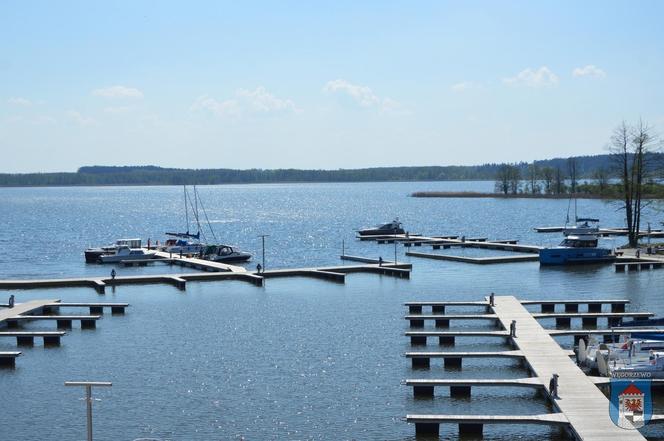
[(582, 353)]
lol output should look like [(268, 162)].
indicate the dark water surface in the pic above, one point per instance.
[(298, 359)]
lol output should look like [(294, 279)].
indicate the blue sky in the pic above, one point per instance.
[(309, 85)]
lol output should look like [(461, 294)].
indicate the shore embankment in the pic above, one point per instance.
[(474, 194)]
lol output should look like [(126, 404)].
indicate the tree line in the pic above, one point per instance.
[(586, 167)]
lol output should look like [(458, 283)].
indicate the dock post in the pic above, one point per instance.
[(468, 429), (10, 362), (548, 307), (620, 268), (417, 323), (418, 340), (117, 310), (571, 307), (442, 323), (452, 362), (22, 340), (96, 310), (438, 309), (563, 322), (445, 340), (415, 309), (589, 321), (423, 391), (617, 307), (594, 307), (427, 429), (64, 324), (436, 247), (88, 324), (52, 340), (460, 391), (419, 362)]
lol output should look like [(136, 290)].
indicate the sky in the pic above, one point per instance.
[(321, 85)]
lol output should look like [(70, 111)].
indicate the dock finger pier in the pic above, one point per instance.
[(581, 408)]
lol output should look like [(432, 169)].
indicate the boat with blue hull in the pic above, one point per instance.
[(575, 250)]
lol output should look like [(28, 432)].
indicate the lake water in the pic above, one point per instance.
[(297, 359)]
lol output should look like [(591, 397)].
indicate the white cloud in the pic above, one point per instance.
[(464, 85), (118, 92), (245, 101), (589, 71), (78, 118), (115, 110), (362, 95), (18, 101), (542, 77)]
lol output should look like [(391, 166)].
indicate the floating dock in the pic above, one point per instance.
[(580, 406), (215, 273), (476, 260), (604, 231), (35, 310)]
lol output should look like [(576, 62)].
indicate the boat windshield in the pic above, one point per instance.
[(579, 243)]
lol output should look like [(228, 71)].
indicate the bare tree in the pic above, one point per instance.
[(601, 176), (503, 179), (547, 176), (559, 181), (533, 178), (515, 178), (630, 147)]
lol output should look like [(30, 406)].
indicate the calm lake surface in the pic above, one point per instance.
[(299, 358)]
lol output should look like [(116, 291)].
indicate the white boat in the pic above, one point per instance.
[(92, 255), (126, 253), (629, 349), (646, 367), (584, 226)]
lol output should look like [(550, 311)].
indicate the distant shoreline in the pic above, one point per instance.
[(474, 194)]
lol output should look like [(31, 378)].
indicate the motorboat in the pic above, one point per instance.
[(225, 253), (651, 366), (576, 249), (92, 255), (126, 253), (632, 348), (584, 226), (394, 227)]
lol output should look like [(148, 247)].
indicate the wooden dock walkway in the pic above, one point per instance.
[(581, 407), (581, 402), (331, 273)]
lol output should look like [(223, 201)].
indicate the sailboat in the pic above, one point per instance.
[(186, 242), (190, 243)]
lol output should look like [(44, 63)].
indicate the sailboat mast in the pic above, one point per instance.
[(186, 209)]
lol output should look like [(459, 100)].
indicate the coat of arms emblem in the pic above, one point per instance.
[(631, 403)]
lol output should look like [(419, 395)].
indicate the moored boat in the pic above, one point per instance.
[(576, 249), (394, 227), (92, 255), (126, 253), (225, 253)]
